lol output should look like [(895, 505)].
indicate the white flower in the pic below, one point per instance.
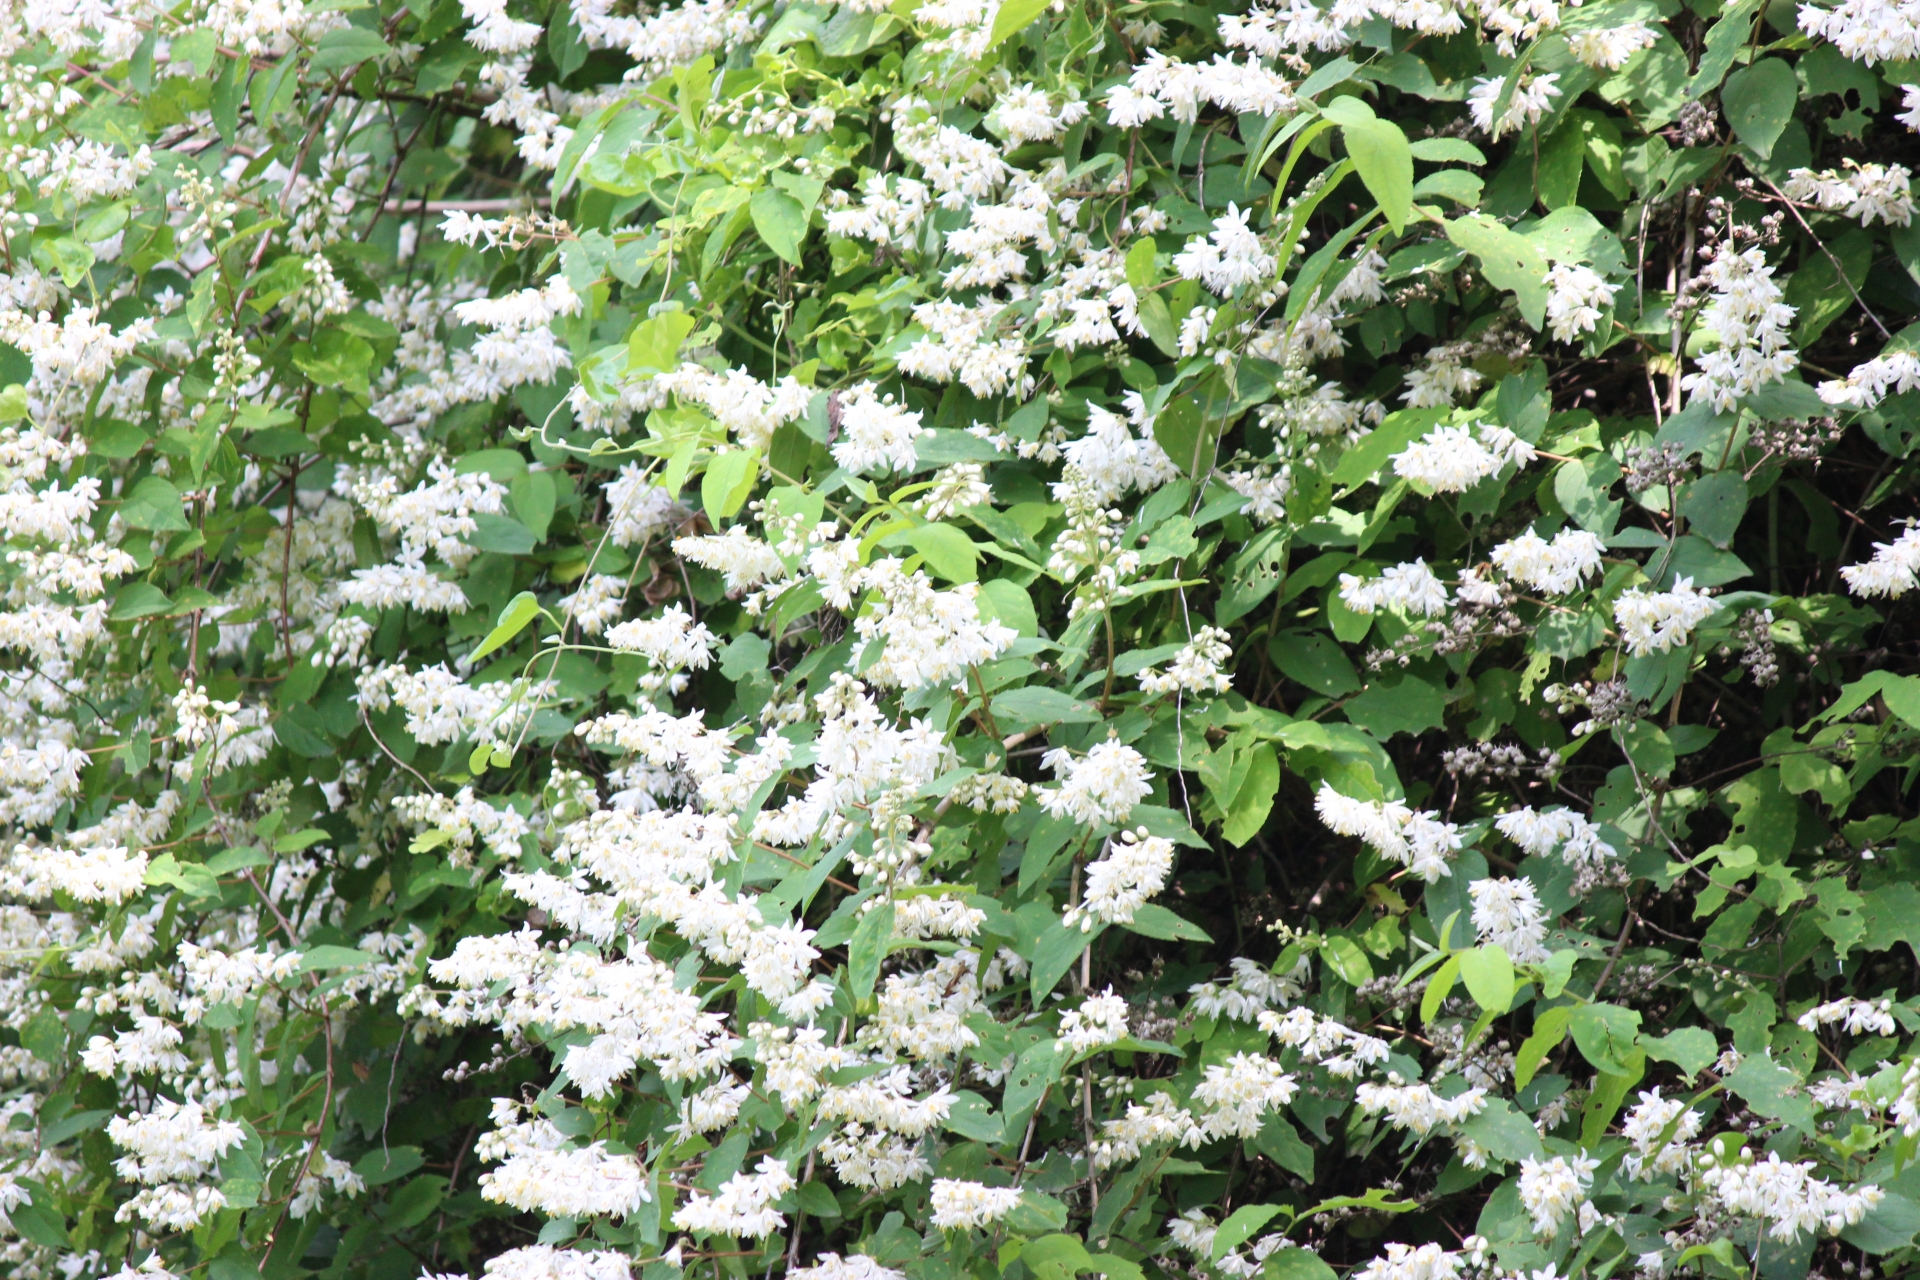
[(1657, 621), (1893, 571), (855, 1266), (1748, 316), (958, 1204), (1507, 914), (1860, 1016), (1529, 102), (1867, 31), (1873, 381), (1418, 841), (1644, 1126), (1789, 1196), (1454, 459), (1409, 588), (875, 432), (1608, 48), (1577, 298), (743, 1206), (1099, 788), (1099, 1021), (545, 1262), (1196, 669), (1228, 260), (1539, 833), (1552, 568), (1552, 1189), (1134, 869), (1866, 193), (1416, 1107)]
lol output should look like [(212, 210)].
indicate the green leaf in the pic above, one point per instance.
[(1648, 746), (1509, 260), (1399, 429), (655, 342), (1724, 41), (1036, 1069), (805, 190), (1692, 1049), (1315, 661), (1254, 800), (949, 552), (336, 358), (190, 878), (1291, 1262), (781, 222), (388, 1164), (348, 47), (1037, 704), (154, 504), (868, 947), (1156, 921), (1056, 1257), (1504, 1133), (1140, 261), (1408, 705), (1715, 503), (519, 611), (1438, 987), (1241, 1226), (320, 959), (1549, 1029), (1888, 1226), (728, 482), (1344, 957), (1385, 164), (1055, 952), (139, 600), (1773, 1091), (1605, 1034), (1758, 100), (414, 1203), (1488, 973), (1183, 431), (1011, 17), (1281, 1143)]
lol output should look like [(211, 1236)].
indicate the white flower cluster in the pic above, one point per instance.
[(1865, 192), (1894, 569), (1419, 841), (1540, 833), (1747, 315), (1454, 459), (1659, 621)]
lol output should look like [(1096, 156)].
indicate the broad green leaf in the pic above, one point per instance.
[(1758, 101), (519, 611), (1549, 1029), (868, 947), (1381, 157), (1488, 973), (1510, 261), (949, 552), (348, 47), (728, 482), (1241, 1226), (781, 222), (1692, 1049), (655, 343), (1605, 1034)]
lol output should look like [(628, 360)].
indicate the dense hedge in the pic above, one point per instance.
[(959, 639)]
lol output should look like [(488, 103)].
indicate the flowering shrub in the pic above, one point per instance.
[(932, 640)]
